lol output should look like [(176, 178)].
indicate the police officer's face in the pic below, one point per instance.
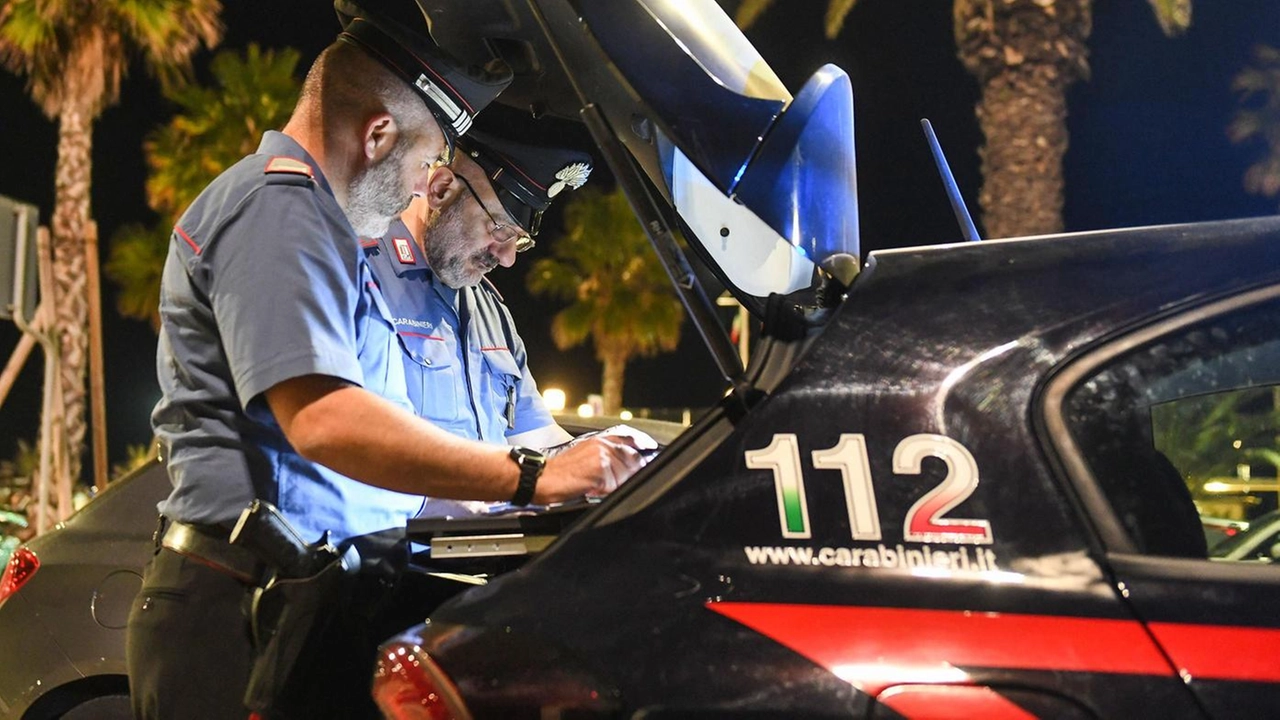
[(473, 235)]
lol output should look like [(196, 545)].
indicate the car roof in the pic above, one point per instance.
[(1081, 284)]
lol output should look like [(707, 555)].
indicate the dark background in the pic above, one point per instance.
[(1148, 146)]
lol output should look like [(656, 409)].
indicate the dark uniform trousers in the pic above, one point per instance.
[(190, 651)]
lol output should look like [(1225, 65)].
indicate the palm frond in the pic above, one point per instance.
[(606, 269), (837, 11), (135, 264), (749, 11), (1257, 88), (1174, 16)]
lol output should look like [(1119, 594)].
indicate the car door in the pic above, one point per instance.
[(1176, 420)]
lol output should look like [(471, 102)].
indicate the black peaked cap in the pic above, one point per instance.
[(454, 92), (526, 177)]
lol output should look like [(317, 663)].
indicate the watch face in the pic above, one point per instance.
[(524, 455)]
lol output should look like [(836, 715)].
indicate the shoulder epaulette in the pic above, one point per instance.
[(292, 166)]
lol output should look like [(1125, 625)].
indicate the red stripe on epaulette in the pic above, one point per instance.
[(286, 164), (187, 237), (495, 348), (368, 243)]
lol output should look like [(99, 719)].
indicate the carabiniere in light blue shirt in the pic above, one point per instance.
[(465, 366)]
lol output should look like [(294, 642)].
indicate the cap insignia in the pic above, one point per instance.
[(573, 175)]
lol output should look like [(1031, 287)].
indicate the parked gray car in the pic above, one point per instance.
[(64, 602), (1260, 543)]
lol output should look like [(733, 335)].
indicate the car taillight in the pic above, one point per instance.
[(408, 685), (21, 566)]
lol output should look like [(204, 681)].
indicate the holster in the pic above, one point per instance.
[(303, 589), (288, 616)]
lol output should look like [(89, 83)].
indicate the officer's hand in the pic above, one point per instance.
[(593, 467), (640, 440)]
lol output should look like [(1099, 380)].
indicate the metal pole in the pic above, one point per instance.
[(27, 342), (46, 442), (97, 396), (49, 342)]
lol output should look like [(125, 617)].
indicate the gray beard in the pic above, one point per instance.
[(447, 251), (377, 195)]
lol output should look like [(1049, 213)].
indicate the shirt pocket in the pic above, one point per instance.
[(432, 374)]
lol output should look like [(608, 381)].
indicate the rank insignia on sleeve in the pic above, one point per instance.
[(283, 164), (404, 250)]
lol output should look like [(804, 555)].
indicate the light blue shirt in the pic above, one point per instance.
[(465, 365), (265, 282)]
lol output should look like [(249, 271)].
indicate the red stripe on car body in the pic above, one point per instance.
[(1221, 652), (874, 648)]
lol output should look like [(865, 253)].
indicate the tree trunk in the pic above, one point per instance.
[(1023, 117), (70, 222), (615, 368), (1024, 53)]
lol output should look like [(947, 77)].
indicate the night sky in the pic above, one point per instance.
[(1148, 146)]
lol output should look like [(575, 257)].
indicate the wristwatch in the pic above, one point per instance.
[(531, 464)]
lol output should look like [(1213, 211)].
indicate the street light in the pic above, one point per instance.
[(554, 398)]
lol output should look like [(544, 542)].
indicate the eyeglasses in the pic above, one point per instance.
[(504, 232)]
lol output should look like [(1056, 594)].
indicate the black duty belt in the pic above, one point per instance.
[(208, 545)]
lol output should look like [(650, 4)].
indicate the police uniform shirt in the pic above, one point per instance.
[(480, 387), (265, 282)]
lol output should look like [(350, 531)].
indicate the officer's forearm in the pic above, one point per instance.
[(367, 438)]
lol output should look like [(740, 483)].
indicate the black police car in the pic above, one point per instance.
[(958, 483)]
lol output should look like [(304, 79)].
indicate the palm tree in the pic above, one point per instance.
[(620, 295), (1258, 87), (837, 10), (216, 125), (1024, 54), (74, 54)]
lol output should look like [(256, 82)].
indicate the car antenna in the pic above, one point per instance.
[(949, 182)]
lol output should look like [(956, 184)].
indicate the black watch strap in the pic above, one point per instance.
[(531, 463)]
